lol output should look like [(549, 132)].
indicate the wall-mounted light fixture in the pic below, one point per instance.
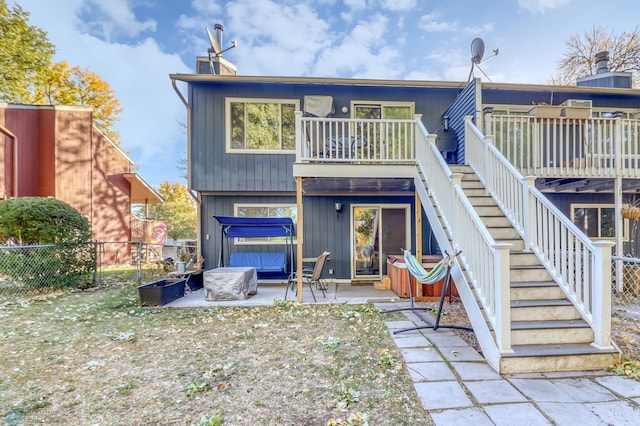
[(345, 109), (487, 110), (338, 207), (445, 123)]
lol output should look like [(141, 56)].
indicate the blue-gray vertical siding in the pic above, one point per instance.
[(462, 106), (213, 169), (324, 229)]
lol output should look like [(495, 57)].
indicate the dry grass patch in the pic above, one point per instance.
[(96, 357)]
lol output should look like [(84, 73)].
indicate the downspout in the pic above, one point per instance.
[(14, 165), (195, 195)]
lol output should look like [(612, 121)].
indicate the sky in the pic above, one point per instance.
[(135, 45)]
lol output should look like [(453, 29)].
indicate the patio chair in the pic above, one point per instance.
[(311, 276), (441, 270)]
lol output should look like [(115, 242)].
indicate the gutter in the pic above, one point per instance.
[(195, 195)]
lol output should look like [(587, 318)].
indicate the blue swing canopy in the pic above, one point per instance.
[(255, 227)]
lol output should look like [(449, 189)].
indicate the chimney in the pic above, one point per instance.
[(604, 77), (602, 62), (219, 30)]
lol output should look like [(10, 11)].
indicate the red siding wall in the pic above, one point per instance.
[(61, 154)]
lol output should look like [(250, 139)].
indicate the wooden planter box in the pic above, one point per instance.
[(161, 292), (545, 111)]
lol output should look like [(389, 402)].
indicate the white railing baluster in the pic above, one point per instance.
[(567, 253)]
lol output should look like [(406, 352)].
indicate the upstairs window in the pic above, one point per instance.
[(265, 126)]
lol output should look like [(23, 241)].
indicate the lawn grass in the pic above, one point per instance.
[(97, 357)]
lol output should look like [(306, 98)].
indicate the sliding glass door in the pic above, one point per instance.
[(376, 232)]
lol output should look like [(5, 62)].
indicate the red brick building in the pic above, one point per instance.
[(55, 151)]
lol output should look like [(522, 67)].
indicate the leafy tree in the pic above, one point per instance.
[(579, 58), (65, 85), (25, 54), (55, 243), (179, 210), (29, 76)]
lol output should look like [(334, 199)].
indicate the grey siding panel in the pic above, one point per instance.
[(212, 169), (324, 229), (462, 106)]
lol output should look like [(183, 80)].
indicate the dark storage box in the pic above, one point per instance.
[(161, 292), (194, 281)]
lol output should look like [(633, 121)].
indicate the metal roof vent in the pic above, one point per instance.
[(602, 62)]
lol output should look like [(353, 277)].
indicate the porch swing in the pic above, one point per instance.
[(441, 270)]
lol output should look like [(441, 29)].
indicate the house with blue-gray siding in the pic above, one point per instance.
[(528, 182)]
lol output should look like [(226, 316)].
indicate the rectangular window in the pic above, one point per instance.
[(266, 210), (597, 221), (265, 126), (387, 140)]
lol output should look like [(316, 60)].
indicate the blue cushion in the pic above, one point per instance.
[(266, 262)]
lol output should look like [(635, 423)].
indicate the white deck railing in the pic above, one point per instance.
[(486, 262), (349, 140), (568, 147), (579, 266)]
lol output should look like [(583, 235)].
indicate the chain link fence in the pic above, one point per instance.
[(626, 304), (37, 269)]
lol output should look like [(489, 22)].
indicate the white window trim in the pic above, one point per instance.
[(625, 224), (373, 103), (227, 124), (257, 242)]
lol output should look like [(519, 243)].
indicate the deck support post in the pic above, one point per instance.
[(299, 237)]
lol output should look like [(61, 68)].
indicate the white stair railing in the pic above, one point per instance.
[(574, 261), (485, 261)]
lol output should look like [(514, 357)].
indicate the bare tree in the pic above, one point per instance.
[(580, 56)]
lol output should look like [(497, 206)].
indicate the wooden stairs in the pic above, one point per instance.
[(547, 331)]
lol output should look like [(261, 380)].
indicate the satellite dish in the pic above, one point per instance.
[(215, 46), (215, 51), (477, 52)]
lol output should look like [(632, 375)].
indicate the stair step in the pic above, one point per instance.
[(530, 273), (536, 290), (487, 211), (552, 309), (481, 200), (472, 185), (474, 191), (550, 332), (522, 258), (496, 221), (503, 233), (561, 357)]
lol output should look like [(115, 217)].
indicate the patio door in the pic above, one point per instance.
[(376, 232)]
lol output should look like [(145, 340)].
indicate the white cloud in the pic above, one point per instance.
[(120, 19), (273, 37), (430, 23), (355, 4), (541, 6), (363, 53), (398, 5), (486, 28), (208, 7)]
